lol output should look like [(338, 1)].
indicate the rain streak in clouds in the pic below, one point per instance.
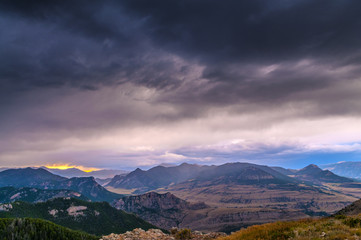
[(119, 84)]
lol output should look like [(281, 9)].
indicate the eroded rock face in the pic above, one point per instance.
[(5, 207), (152, 234), (76, 210), (163, 210)]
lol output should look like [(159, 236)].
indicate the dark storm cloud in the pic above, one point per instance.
[(87, 44), (254, 30)]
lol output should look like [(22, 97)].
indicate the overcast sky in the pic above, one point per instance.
[(121, 84)]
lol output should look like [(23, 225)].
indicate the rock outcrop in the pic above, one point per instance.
[(163, 210), (152, 234)]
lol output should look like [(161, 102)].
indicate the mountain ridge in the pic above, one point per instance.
[(41, 178)]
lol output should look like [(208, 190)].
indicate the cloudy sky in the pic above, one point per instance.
[(120, 84)]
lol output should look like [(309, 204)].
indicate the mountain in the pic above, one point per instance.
[(163, 210), (156, 177), (89, 188), (28, 177), (41, 178), (103, 181), (345, 169), (11, 194), (97, 218), (27, 228), (159, 177), (316, 175), (242, 173), (75, 172), (284, 171), (238, 195)]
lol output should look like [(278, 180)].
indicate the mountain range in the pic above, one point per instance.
[(237, 194), (76, 172), (42, 179), (345, 169), (207, 198)]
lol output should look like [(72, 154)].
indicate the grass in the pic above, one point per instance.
[(334, 228)]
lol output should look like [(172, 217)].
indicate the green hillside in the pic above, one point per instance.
[(26, 194), (97, 218), (37, 229)]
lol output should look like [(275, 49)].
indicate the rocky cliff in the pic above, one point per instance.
[(163, 210)]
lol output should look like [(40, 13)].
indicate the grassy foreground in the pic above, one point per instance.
[(340, 227)]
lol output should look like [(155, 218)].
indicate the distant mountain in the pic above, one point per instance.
[(242, 173), (163, 210), (28, 177), (157, 177), (75, 172), (11, 194), (345, 169), (312, 173), (27, 228), (97, 218), (41, 178), (103, 181), (284, 171), (239, 194), (89, 188)]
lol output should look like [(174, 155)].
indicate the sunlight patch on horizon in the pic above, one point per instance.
[(67, 166)]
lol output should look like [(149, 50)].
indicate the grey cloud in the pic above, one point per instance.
[(173, 61)]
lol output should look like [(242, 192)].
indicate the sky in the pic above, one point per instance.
[(136, 83)]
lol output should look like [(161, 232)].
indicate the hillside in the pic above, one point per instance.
[(29, 229), (352, 209), (97, 218), (42, 179), (11, 194), (325, 228), (163, 210)]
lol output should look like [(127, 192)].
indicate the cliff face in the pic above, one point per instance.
[(163, 210)]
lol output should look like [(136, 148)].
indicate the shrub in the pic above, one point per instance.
[(183, 234)]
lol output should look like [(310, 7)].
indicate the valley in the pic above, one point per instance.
[(222, 198)]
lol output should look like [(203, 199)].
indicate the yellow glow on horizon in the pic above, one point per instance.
[(67, 166)]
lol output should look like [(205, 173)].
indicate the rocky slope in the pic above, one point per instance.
[(152, 234), (163, 210)]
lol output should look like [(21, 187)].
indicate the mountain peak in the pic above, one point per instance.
[(310, 169)]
